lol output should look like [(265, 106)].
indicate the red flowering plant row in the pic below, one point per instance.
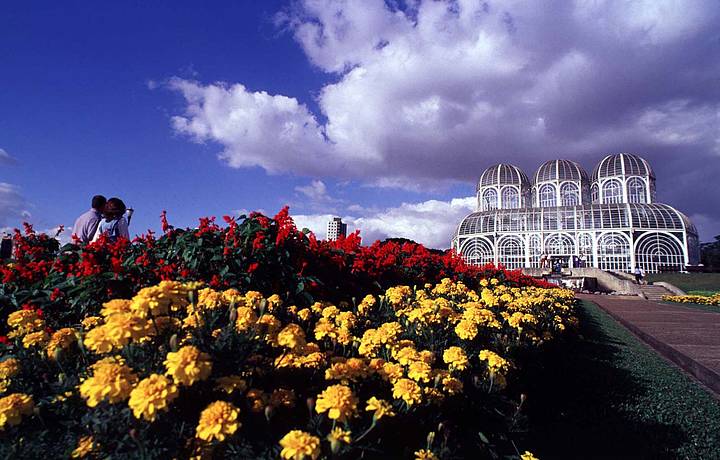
[(252, 252)]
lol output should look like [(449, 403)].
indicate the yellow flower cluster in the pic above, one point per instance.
[(699, 299), (353, 364), (13, 407), (8, 369)]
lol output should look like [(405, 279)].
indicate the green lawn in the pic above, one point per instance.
[(606, 395), (707, 282)]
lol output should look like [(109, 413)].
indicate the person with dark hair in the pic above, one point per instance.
[(86, 225), (114, 225)]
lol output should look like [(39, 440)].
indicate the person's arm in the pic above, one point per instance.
[(123, 228)]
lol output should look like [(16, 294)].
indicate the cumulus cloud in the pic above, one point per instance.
[(315, 190), (437, 91), (429, 222), (13, 206)]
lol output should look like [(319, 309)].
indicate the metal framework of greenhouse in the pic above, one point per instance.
[(611, 222)]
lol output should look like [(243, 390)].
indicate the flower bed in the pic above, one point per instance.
[(256, 340), (182, 370), (269, 255), (698, 299)]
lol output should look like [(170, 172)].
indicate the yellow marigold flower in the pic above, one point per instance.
[(366, 304), (253, 299), (489, 298), (9, 368), (123, 327), (217, 421), (324, 328), (210, 299), (112, 380), (528, 456), (274, 302), (151, 396), (466, 330), (419, 371), (299, 445), (380, 407), (62, 338), (391, 371), (452, 386), (304, 314), (338, 401), (188, 365), (408, 391), (246, 317), (25, 321), (425, 454), (338, 436), (91, 321), (396, 295), (292, 336), (456, 358), (115, 306), (13, 407), (84, 447), (231, 383), (330, 311), (406, 355), (495, 362), (233, 297), (99, 341), (34, 339)]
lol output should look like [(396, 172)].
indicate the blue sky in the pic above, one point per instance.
[(382, 113)]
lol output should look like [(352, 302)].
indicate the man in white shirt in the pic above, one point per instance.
[(86, 225)]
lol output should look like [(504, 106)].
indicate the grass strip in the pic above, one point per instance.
[(605, 394)]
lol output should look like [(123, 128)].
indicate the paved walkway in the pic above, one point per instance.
[(686, 336)]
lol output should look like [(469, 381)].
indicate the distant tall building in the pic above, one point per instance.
[(336, 228)]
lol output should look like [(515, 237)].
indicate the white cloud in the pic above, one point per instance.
[(315, 190), (431, 222), (6, 158), (13, 206), (438, 90)]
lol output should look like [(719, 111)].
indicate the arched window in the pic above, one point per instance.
[(477, 251), (614, 252), (612, 191), (559, 245), (510, 198), (489, 200), (659, 252), (511, 252), (569, 194), (636, 190), (546, 194), (594, 193)]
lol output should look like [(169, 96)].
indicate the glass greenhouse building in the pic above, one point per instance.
[(609, 221)]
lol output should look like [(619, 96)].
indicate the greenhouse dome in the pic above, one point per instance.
[(619, 234), (502, 186)]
